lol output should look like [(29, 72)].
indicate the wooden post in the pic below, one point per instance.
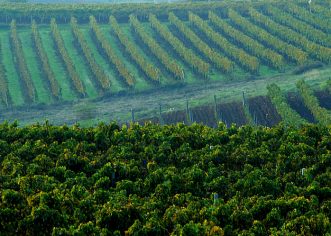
[(132, 114), (188, 113), (244, 99), (215, 109), (160, 114), (226, 124)]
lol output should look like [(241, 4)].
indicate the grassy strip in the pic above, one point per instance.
[(43, 60), (289, 35), (20, 62), (120, 67), (220, 62), (247, 61), (13, 80), (322, 115), (185, 53), (59, 42), (102, 62), (304, 15), (299, 26), (273, 59), (289, 51), (99, 74), (75, 53), (57, 66), (156, 49), (140, 82), (149, 69), (4, 93), (321, 11), (34, 68)]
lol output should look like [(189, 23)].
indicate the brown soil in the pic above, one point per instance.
[(296, 103), (263, 111)]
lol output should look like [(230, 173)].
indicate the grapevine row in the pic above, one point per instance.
[(44, 60), (221, 62), (306, 16), (320, 52), (159, 52), (150, 70), (274, 59), (291, 52), (98, 72), (65, 57), (62, 13), (249, 62), (3, 87), (119, 65), (21, 63), (325, 12), (301, 27), (278, 99), (186, 53), (322, 115)]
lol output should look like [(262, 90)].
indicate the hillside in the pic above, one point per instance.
[(162, 180), (106, 51)]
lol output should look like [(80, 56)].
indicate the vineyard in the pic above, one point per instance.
[(187, 118), (165, 180), (48, 59)]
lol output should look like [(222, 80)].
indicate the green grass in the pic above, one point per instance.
[(126, 29), (8, 62), (81, 66), (140, 82), (43, 93), (189, 75), (215, 77), (116, 86), (56, 65), (287, 82)]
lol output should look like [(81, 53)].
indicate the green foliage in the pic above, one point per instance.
[(44, 60), (157, 180), (150, 70), (164, 41), (320, 52), (76, 82), (100, 75), (156, 49), (221, 62), (260, 34), (21, 63), (321, 114), (288, 115), (273, 59), (120, 67), (297, 25), (247, 61), (186, 53), (4, 93)]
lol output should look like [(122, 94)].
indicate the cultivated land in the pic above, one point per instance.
[(117, 64), (164, 180), (259, 63)]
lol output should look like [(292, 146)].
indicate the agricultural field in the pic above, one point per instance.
[(164, 180), (66, 57), (235, 98)]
